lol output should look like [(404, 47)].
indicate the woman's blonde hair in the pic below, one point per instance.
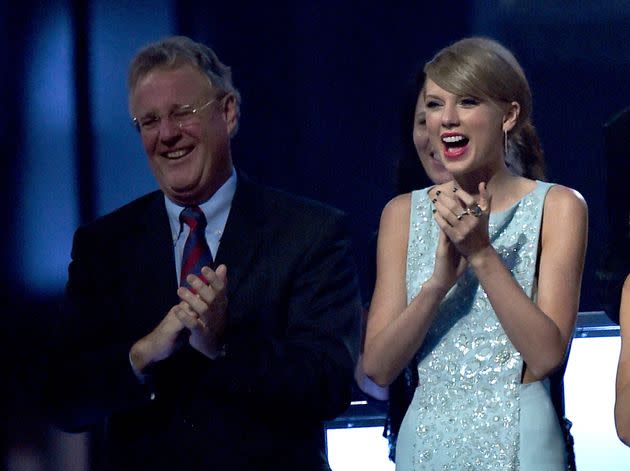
[(482, 68)]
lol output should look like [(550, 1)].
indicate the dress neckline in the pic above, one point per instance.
[(498, 214)]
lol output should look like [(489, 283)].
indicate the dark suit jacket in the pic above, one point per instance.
[(292, 339)]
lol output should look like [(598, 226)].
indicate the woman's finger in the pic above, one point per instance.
[(485, 198)]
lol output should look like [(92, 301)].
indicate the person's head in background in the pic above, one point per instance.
[(418, 166), (429, 159)]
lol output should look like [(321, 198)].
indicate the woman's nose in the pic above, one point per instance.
[(450, 116)]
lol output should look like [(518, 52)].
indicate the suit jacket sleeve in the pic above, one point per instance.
[(105, 310)]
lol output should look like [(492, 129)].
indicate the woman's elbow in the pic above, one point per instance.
[(382, 381), (624, 435), (546, 366), (622, 420), (623, 429), (375, 372)]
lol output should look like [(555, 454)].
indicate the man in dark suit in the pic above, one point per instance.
[(233, 368)]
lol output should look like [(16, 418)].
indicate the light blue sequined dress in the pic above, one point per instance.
[(470, 410)]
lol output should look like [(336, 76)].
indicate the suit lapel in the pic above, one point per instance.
[(154, 259), (242, 237)]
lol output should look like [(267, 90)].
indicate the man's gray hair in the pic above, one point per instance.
[(176, 51)]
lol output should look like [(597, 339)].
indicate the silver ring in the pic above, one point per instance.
[(475, 210), (462, 214)]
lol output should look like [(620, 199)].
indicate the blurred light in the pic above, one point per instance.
[(47, 192), (589, 388)]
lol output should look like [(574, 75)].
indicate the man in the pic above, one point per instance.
[(238, 367)]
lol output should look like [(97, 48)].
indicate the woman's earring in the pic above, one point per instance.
[(505, 141)]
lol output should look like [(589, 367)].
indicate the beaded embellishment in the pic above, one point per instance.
[(466, 406)]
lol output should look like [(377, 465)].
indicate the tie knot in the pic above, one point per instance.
[(193, 217)]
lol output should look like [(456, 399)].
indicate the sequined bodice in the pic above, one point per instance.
[(467, 403)]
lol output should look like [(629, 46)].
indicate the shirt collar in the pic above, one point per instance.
[(216, 209)]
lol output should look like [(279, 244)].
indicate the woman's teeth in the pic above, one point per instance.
[(454, 141)]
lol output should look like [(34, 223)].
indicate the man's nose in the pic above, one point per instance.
[(169, 129)]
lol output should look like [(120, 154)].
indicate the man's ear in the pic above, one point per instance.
[(230, 111)]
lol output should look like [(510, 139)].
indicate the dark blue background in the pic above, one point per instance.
[(322, 84)]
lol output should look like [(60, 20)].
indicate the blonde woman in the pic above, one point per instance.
[(479, 279)]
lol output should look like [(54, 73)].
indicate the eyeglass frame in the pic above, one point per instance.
[(157, 119)]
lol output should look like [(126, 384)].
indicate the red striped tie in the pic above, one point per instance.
[(196, 251)]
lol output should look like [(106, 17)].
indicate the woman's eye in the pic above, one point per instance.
[(432, 104), (469, 101)]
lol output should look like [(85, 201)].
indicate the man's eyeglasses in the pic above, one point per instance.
[(182, 116)]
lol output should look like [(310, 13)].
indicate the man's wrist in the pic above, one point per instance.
[(138, 359)]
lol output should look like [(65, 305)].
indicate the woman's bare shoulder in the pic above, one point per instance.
[(397, 207), (564, 199)]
